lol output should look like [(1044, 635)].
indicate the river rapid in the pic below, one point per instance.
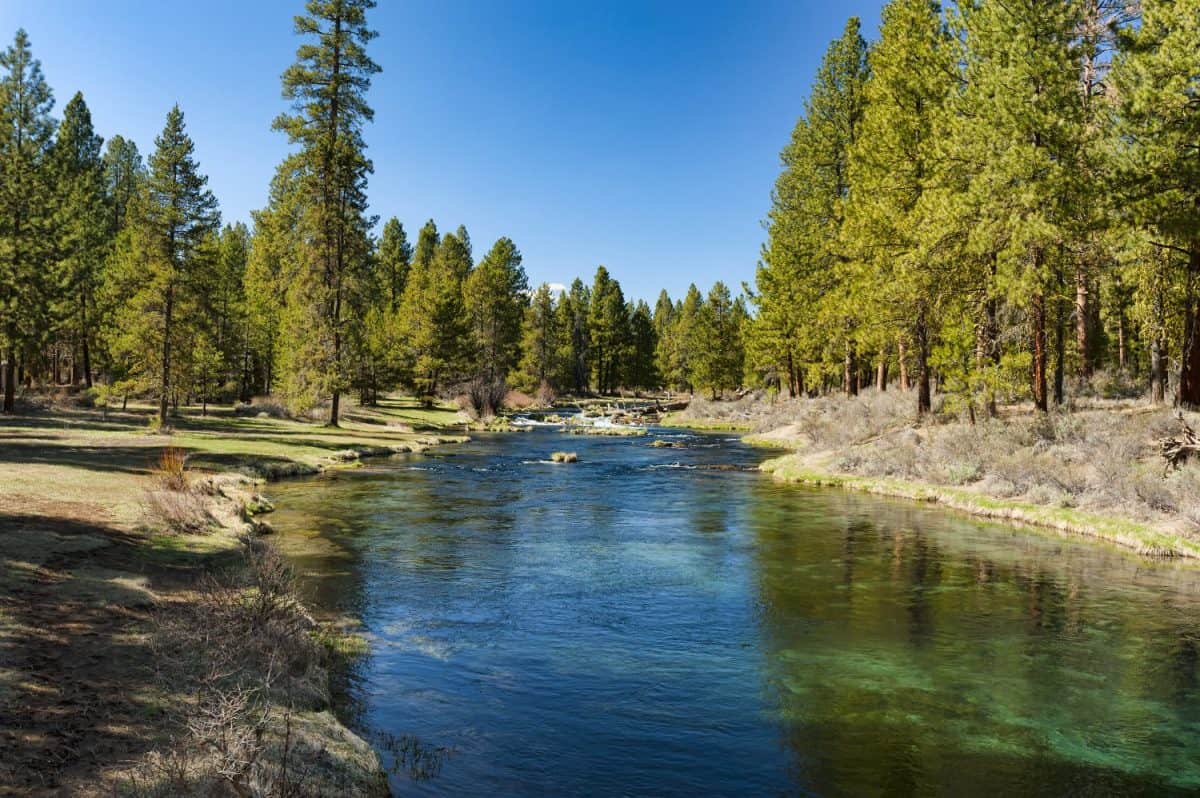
[(668, 621)]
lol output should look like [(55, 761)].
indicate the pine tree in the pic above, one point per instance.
[(434, 322), (395, 259), (1159, 168), (124, 179), (666, 344), (427, 244), (82, 223), (641, 373), (27, 284), (166, 259), (327, 87), (495, 297), (1095, 238), (226, 309), (608, 326), (575, 310), (462, 235), (541, 344), (716, 363), (273, 261), (804, 306), (689, 335), (1018, 132), (891, 166), (124, 173)]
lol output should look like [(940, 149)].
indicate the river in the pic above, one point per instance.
[(666, 621)]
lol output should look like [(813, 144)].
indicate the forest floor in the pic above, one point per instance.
[(93, 579), (1091, 467)]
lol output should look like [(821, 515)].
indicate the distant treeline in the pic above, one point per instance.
[(998, 198), (1002, 195), (116, 271)]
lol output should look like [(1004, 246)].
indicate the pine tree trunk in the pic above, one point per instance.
[(791, 368), (921, 336), (902, 361), (1122, 360), (166, 357), (1189, 377), (1158, 371), (881, 374), (850, 370), (1083, 317), (1060, 350), (10, 378), (87, 352), (1038, 318)]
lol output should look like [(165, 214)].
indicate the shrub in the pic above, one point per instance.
[(181, 512), (518, 400), (244, 649), (546, 394), (485, 397), (171, 469), (260, 406)]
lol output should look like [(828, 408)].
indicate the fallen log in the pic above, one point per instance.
[(1177, 451)]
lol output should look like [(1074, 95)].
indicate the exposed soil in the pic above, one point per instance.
[(75, 658)]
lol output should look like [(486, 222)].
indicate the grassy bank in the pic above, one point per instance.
[(119, 596), (1090, 468), (682, 420), (1145, 538)]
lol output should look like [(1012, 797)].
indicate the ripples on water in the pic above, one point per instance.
[(647, 622)]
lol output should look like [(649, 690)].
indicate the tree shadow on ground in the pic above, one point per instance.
[(77, 687)]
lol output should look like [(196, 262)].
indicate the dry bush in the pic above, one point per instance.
[(1112, 384), (824, 422), (1100, 460), (546, 395), (243, 649), (182, 512), (518, 400), (485, 397), (170, 470), (267, 406)]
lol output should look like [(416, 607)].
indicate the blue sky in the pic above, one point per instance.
[(641, 135)]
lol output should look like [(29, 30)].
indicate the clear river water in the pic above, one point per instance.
[(666, 621)]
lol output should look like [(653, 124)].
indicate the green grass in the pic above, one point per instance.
[(677, 421)]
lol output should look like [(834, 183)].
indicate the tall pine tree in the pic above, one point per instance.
[(27, 281), (82, 222), (167, 257), (327, 87)]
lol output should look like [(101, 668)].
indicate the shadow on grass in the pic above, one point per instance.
[(97, 457), (77, 688)]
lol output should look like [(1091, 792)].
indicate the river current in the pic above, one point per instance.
[(667, 621)]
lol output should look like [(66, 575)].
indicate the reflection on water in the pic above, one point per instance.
[(626, 626)]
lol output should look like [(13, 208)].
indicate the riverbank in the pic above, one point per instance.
[(1092, 469), (150, 641)]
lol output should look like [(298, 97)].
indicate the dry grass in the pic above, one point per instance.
[(824, 422), (246, 649), (171, 469), (1094, 460), (1096, 455), (179, 512)]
